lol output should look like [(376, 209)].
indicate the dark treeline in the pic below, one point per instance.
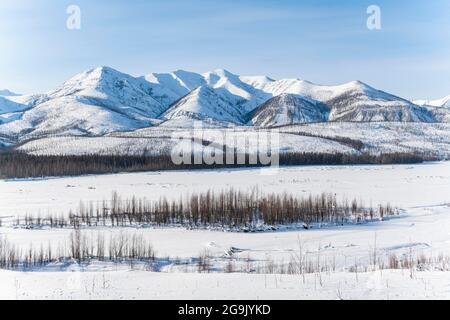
[(289, 159), (231, 210), (21, 165)]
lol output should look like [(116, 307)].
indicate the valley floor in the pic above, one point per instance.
[(387, 284), (345, 254)]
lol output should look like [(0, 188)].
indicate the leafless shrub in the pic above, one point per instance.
[(81, 248), (203, 263)]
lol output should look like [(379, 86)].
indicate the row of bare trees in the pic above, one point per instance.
[(133, 249), (122, 247), (230, 209)]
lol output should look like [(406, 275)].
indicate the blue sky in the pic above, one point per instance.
[(325, 42)]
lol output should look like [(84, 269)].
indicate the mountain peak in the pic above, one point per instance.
[(358, 84), (181, 72), (91, 77), (223, 72), (104, 70)]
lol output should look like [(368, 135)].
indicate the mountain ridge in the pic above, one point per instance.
[(8, 93), (443, 102), (103, 100)]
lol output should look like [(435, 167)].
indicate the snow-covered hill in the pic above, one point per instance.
[(229, 86), (98, 101), (8, 93), (287, 109), (8, 106), (439, 107), (354, 101), (443, 102), (385, 137), (204, 103), (113, 90)]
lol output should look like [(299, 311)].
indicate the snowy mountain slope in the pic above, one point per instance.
[(232, 88), (441, 114), (12, 108), (124, 144), (287, 109), (377, 137), (226, 84), (387, 137), (103, 100), (444, 102), (5, 142), (353, 101), (113, 90), (204, 103), (439, 107), (176, 84), (70, 115), (8, 93), (359, 102), (8, 106), (98, 101), (30, 100), (19, 103), (169, 87)]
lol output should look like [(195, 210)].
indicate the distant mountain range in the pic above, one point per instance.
[(104, 100), (444, 102), (7, 93)]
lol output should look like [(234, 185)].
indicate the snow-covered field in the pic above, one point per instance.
[(147, 285), (401, 185), (422, 229)]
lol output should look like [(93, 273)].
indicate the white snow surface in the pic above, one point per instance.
[(409, 185), (422, 191), (141, 285), (387, 137), (164, 145), (427, 138)]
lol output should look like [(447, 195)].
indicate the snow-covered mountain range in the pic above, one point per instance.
[(104, 100), (444, 102), (439, 107)]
